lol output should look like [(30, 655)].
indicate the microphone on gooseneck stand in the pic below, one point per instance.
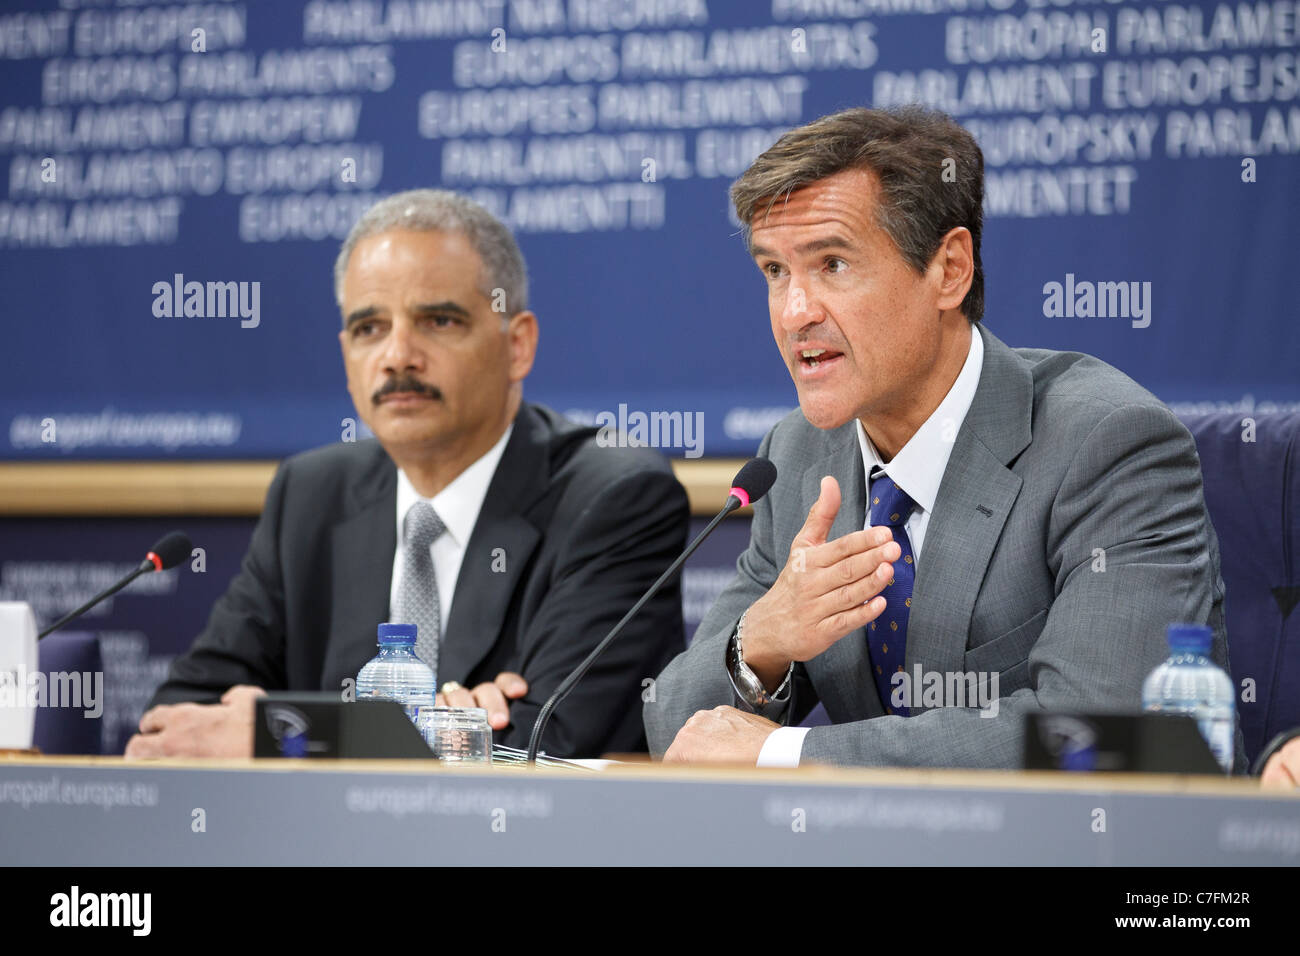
[(753, 481), (169, 551)]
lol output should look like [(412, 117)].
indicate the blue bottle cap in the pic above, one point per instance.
[(397, 633), (1190, 638)]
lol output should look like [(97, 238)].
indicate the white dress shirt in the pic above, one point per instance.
[(458, 505), (918, 470)]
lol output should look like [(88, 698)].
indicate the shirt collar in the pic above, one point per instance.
[(919, 465), (460, 502)]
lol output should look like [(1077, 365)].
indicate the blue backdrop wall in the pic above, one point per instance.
[(1146, 143)]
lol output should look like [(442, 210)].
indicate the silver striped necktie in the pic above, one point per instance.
[(417, 594)]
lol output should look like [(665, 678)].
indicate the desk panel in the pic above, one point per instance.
[(66, 811)]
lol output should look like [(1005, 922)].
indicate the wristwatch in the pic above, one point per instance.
[(746, 681)]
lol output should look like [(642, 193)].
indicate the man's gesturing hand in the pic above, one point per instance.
[(494, 697), (825, 591)]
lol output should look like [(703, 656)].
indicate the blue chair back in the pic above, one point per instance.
[(67, 729), (1251, 471)]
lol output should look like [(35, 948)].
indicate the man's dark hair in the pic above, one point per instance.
[(906, 149)]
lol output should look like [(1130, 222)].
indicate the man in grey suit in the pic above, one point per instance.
[(1036, 517)]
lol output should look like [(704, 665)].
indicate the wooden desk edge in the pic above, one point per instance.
[(890, 777), (224, 488)]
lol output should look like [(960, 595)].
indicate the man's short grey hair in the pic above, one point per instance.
[(439, 210)]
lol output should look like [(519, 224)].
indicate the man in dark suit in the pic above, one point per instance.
[(963, 533), (502, 529)]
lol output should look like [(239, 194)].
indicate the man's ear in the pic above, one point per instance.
[(955, 259), (522, 333)]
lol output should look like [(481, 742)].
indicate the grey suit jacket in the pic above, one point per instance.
[(1069, 529)]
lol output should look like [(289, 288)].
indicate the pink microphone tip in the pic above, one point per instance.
[(743, 495)]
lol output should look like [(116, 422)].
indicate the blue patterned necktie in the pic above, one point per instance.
[(887, 634)]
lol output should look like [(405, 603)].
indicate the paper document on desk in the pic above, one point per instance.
[(503, 756)]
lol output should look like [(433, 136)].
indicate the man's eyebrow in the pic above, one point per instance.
[(816, 245), (430, 308), (425, 308), (360, 315), (830, 242)]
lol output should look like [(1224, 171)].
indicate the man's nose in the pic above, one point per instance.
[(402, 350), (800, 309)]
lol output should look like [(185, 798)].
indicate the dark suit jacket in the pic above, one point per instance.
[(581, 530)]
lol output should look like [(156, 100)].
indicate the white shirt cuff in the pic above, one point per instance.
[(782, 747)]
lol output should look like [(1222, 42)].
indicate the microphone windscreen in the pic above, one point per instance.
[(171, 549), (755, 479)]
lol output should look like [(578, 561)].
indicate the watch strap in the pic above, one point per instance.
[(746, 683)]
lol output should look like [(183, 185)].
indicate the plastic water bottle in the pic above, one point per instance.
[(395, 673), (1188, 682)]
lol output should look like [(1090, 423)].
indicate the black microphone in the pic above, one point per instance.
[(753, 481), (170, 550)]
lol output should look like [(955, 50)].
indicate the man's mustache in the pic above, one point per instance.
[(406, 384)]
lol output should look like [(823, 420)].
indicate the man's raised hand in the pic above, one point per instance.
[(826, 590)]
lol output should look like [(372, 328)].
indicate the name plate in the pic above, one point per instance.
[(320, 726), (1117, 743)]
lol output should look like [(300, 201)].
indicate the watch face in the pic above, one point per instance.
[(749, 683)]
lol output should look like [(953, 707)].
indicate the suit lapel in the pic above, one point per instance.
[(974, 500), (363, 544), (842, 675), (499, 549)]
